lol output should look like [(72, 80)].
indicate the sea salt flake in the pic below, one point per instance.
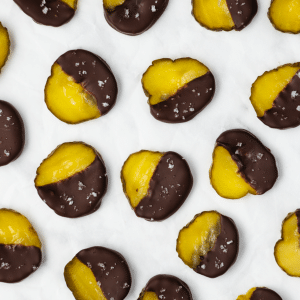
[(153, 8), (294, 94), (100, 83), (298, 108), (45, 10), (7, 153), (105, 104)]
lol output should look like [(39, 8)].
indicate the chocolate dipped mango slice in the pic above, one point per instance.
[(166, 287), (224, 14), (133, 17), (4, 45), (285, 15), (72, 180), (241, 165), (209, 244), (81, 87), (12, 133), (20, 247), (156, 184), (287, 250), (98, 273), (49, 12), (275, 96), (178, 90), (258, 293)]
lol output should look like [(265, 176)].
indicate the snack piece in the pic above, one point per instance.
[(241, 165), (258, 293), (4, 45), (166, 287), (209, 244), (20, 247), (49, 12), (275, 96), (224, 14), (285, 15), (81, 87), (12, 133), (133, 17), (287, 250), (156, 184), (98, 273), (178, 90), (72, 180)]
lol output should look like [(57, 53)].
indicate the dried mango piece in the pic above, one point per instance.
[(133, 17), (241, 165), (224, 14), (20, 247), (72, 180), (49, 12), (156, 184), (98, 273), (4, 45), (285, 15), (178, 90), (209, 244), (275, 96), (287, 250), (166, 287), (258, 293), (81, 87)]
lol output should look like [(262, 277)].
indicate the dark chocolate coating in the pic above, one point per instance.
[(167, 287), (224, 253), (297, 212), (93, 74), (169, 186), (242, 12), (265, 294), (110, 270), (134, 17), (285, 112), (12, 133), (47, 12), (187, 102), (18, 261), (78, 195), (255, 162)]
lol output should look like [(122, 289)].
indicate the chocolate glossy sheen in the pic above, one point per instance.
[(242, 12), (18, 261), (133, 17), (12, 133), (224, 253), (265, 294), (256, 163), (169, 186), (78, 195), (285, 112), (93, 74), (187, 102), (110, 269), (47, 12), (167, 287)]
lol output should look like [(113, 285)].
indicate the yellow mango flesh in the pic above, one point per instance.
[(247, 296), (4, 45), (137, 173), (82, 282), (225, 177), (111, 4), (15, 229), (165, 77), (71, 3), (287, 250), (149, 296), (285, 15), (68, 100), (267, 87), (198, 238), (65, 161), (213, 14)]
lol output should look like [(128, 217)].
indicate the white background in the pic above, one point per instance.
[(236, 59)]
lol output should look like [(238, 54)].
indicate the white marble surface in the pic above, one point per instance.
[(236, 59)]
